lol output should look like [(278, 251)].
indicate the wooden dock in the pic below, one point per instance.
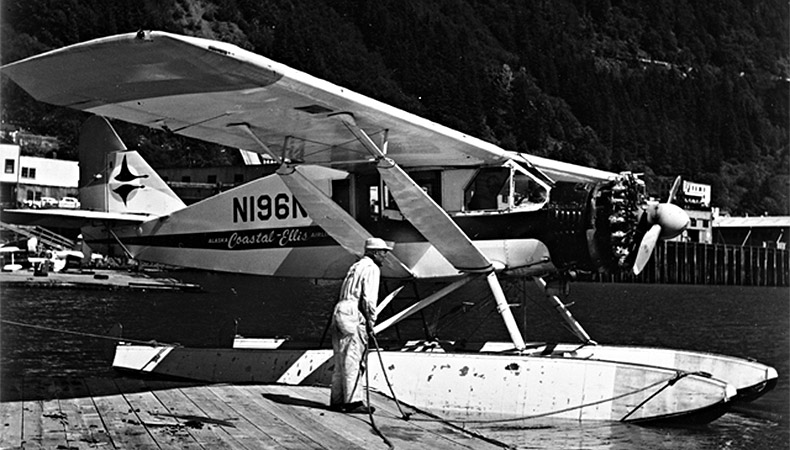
[(95, 280), (125, 413)]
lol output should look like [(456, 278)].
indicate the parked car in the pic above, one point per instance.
[(69, 203), (43, 202)]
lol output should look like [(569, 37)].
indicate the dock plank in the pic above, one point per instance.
[(86, 429), (244, 432), (31, 423), (167, 431), (53, 425), (121, 423), (354, 427), (455, 436), (208, 435), (243, 400), (10, 424), (294, 415), (419, 433), (133, 414)]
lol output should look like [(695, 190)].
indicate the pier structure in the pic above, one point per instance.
[(698, 263), (126, 413)]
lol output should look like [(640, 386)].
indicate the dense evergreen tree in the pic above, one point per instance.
[(665, 87)]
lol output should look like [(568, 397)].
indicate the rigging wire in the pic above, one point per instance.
[(78, 333)]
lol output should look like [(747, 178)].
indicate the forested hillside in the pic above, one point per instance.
[(684, 87)]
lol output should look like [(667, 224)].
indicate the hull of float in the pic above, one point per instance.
[(466, 386), (750, 378)]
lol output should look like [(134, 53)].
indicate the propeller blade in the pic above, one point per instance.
[(674, 190), (646, 248)]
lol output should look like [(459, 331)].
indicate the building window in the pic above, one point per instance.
[(24, 172), (9, 166), (212, 179), (32, 173), (186, 179)]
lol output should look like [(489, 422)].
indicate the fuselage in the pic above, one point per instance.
[(260, 228)]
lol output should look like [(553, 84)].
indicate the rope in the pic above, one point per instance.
[(678, 376), (404, 416), (669, 382), (77, 333), (367, 393)]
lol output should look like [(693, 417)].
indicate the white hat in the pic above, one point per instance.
[(376, 244)]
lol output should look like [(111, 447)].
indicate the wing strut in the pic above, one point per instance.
[(563, 311), (333, 219), (427, 301), (434, 223)]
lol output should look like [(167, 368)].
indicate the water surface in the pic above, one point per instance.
[(738, 321)]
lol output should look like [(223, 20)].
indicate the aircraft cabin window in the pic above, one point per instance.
[(489, 190), (526, 191)]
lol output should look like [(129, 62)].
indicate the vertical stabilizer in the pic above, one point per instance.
[(114, 179)]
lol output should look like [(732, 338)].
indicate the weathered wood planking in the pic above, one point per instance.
[(31, 423), (208, 435), (167, 431), (425, 424), (352, 427), (86, 429), (242, 401), (243, 431), (422, 432), (10, 424), (119, 420), (295, 416), (131, 414), (53, 425)]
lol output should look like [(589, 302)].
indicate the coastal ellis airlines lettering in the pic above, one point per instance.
[(265, 207)]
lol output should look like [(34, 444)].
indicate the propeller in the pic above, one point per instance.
[(666, 220)]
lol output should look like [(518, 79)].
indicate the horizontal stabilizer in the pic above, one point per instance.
[(68, 218)]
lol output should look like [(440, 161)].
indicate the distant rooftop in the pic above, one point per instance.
[(757, 221)]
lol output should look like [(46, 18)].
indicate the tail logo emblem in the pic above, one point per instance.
[(126, 176)]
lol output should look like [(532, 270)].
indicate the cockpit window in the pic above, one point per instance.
[(504, 188), (527, 191)]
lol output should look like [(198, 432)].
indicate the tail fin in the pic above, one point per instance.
[(114, 179)]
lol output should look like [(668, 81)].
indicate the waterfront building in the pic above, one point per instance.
[(761, 231), (31, 180)]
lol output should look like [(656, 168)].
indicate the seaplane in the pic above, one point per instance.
[(454, 207)]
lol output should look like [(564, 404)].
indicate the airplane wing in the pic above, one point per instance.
[(69, 218), (220, 93), (562, 171)]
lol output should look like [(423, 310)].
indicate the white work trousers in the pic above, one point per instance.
[(349, 340)]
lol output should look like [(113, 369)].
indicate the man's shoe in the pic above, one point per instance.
[(339, 407), (360, 408)]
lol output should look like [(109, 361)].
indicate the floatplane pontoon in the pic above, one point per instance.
[(491, 381), (350, 167)]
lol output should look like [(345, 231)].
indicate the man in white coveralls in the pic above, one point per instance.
[(352, 320)]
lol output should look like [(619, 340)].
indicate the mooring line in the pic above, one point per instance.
[(78, 333), (559, 411)]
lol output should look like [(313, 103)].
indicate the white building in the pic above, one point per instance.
[(696, 194), (30, 178)]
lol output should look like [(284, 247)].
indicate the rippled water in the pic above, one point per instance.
[(745, 322)]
